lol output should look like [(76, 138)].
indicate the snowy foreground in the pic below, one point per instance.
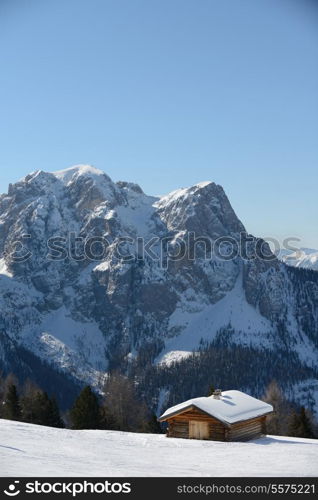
[(31, 450)]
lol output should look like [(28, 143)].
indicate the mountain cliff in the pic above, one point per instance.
[(96, 275)]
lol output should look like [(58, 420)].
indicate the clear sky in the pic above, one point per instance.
[(168, 93)]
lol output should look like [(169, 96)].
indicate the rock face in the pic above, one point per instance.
[(95, 274)]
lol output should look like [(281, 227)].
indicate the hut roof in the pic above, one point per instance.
[(231, 407)]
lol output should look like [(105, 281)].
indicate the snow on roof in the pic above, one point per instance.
[(233, 406)]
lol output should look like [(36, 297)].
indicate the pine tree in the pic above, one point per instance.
[(305, 427), (293, 424), (108, 420), (211, 390), (46, 411), (54, 416), (11, 404), (300, 425), (29, 403), (38, 408), (85, 413), (42, 408), (153, 426)]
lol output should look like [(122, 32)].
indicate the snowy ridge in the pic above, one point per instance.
[(76, 171), (306, 258)]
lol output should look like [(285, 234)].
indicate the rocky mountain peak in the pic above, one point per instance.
[(203, 208), (84, 315)]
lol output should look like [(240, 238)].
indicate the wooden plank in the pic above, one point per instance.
[(246, 429), (178, 429), (198, 430), (254, 426), (245, 422), (194, 413), (247, 433), (196, 417), (244, 434), (240, 431)]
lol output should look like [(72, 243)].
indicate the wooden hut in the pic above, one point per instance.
[(227, 416)]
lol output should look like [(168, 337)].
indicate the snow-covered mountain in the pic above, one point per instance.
[(138, 304), (305, 258)]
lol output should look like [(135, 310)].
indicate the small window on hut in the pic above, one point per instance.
[(198, 430)]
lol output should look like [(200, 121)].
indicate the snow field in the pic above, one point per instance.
[(31, 450)]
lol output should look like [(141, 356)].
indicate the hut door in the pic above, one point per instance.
[(198, 430)]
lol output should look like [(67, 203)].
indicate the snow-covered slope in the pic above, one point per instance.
[(231, 310), (306, 258), (29, 450), (137, 304)]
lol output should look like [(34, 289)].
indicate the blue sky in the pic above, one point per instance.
[(167, 94)]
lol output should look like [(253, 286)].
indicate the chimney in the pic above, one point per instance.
[(217, 394)]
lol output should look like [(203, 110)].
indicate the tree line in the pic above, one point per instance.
[(120, 407), (287, 419), (28, 403), (227, 365)]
